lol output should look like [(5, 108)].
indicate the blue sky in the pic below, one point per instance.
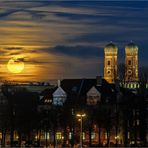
[(65, 39)]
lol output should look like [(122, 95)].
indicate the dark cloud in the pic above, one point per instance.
[(19, 60), (7, 13), (13, 48), (45, 62), (76, 51)]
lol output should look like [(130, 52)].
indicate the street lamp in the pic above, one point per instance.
[(80, 116)]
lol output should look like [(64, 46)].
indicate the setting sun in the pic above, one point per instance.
[(15, 65)]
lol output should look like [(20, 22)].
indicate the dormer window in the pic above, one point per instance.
[(59, 97), (93, 96)]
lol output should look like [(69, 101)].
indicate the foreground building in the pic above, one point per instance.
[(114, 117)]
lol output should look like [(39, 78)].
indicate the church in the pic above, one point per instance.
[(129, 69)]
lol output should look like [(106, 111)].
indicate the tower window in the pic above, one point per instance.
[(129, 72), (108, 63), (129, 62), (108, 72)]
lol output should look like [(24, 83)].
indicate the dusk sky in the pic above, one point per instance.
[(57, 40)]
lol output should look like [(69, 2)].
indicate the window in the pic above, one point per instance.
[(138, 122), (129, 62), (108, 63), (58, 100), (70, 135), (58, 135), (129, 72), (128, 136), (108, 72), (92, 135), (47, 135), (105, 135), (92, 100), (83, 136)]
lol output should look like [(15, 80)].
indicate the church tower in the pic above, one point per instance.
[(110, 62), (131, 62)]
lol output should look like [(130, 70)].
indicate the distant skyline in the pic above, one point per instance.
[(66, 39)]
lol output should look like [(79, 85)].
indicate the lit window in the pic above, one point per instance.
[(105, 135), (92, 135), (83, 136), (138, 122), (58, 135), (132, 85), (70, 135), (47, 135), (128, 135), (16, 135)]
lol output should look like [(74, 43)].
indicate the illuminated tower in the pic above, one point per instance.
[(131, 62), (110, 62)]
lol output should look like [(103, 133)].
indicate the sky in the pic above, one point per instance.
[(66, 39)]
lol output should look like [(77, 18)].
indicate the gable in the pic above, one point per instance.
[(93, 92), (59, 92)]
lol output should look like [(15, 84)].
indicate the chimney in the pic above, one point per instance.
[(59, 83)]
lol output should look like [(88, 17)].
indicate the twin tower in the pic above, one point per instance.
[(131, 63)]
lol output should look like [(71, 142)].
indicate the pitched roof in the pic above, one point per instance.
[(59, 92), (93, 91), (77, 86)]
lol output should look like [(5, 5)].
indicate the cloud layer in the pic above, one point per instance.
[(59, 39)]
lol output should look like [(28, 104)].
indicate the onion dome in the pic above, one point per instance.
[(131, 48), (111, 47)]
